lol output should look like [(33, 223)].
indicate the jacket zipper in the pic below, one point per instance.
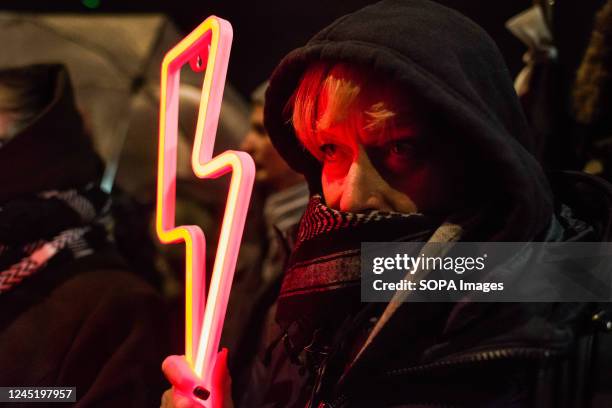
[(476, 357), (528, 353)]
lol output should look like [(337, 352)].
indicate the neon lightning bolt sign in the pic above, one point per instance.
[(207, 50)]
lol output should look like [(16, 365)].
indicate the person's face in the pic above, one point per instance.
[(405, 168), (271, 169)]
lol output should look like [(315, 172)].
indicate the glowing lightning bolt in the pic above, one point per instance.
[(207, 49)]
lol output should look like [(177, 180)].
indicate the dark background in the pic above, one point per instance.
[(264, 31)]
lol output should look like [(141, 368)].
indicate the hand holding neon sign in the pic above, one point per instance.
[(207, 49)]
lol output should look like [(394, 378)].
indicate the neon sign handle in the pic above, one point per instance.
[(207, 50)]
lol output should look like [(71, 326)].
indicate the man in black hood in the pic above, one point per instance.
[(403, 118)]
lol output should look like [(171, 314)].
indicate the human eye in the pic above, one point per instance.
[(402, 148), (329, 151), (401, 155), (259, 129)]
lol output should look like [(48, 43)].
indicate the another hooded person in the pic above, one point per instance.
[(71, 314), (403, 119)]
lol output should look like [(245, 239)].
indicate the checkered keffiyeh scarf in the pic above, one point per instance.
[(37, 230), (321, 285), (328, 245)]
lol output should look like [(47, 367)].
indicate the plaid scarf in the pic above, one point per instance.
[(321, 285), (37, 230)]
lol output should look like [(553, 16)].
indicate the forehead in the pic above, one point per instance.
[(369, 120), (349, 132)]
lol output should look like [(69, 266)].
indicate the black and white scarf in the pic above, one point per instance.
[(321, 285), (37, 230)]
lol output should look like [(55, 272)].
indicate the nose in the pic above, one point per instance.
[(364, 189), (247, 144)]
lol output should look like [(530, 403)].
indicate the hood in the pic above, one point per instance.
[(54, 152), (454, 67)]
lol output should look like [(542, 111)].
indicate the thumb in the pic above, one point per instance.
[(180, 374), (184, 382)]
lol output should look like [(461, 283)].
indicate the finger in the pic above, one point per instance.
[(221, 375), (180, 374), (166, 399)]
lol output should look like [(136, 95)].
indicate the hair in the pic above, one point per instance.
[(333, 93)]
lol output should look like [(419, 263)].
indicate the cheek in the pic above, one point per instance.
[(332, 181), (254, 147), (414, 184), (430, 188), (336, 170), (266, 148)]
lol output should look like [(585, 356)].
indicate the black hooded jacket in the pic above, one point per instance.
[(482, 354), (79, 321)]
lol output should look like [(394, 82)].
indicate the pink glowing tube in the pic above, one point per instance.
[(207, 50)]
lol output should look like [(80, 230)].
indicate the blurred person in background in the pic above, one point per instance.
[(592, 96), (540, 88), (284, 193), (285, 190), (71, 314), (565, 86)]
